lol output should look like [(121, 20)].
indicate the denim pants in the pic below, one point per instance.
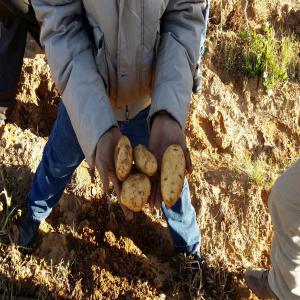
[(62, 155)]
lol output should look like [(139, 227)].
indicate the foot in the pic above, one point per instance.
[(257, 281), (197, 84), (28, 231)]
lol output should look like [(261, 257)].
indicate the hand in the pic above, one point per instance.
[(106, 166), (164, 132), (105, 159)]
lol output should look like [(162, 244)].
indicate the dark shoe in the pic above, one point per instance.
[(28, 231), (197, 84), (257, 281)]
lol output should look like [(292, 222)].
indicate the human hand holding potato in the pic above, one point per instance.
[(165, 131), (105, 159), (105, 164), (167, 153)]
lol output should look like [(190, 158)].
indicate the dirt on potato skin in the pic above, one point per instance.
[(87, 250)]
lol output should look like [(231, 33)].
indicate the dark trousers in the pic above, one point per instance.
[(16, 19)]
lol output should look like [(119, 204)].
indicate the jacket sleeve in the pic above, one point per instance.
[(182, 25), (73, 68)]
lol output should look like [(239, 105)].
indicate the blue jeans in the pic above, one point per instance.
[(62, 155)]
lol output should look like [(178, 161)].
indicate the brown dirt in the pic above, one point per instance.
[(88, 250)]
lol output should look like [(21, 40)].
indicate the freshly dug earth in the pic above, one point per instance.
[(240, 140)]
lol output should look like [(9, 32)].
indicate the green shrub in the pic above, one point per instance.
[(267, 57)]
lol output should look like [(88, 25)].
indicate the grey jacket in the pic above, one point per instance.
[(141, 52)]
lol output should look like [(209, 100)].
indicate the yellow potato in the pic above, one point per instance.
[(136, 191), (172, 174), (144, 160), (123, 158)]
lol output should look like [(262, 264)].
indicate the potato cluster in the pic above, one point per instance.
[(136, 187)]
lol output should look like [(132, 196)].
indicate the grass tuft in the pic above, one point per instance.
[(261, 53), (258, 170)]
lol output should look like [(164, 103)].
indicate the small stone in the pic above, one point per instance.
[(162, 297), (93, 191)]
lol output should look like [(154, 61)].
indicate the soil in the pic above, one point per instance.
[(86, 248)]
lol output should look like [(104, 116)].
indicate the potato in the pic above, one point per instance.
[(172, 174), (144, 160), (123, 158), (136, 191)]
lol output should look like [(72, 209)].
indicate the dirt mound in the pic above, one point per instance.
[(54, 248), (37, 99)]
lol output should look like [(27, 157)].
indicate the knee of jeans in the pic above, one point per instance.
[(58, 168), (59, 171)]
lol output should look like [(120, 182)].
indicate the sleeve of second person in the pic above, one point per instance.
[(73, 68), (181, 28)]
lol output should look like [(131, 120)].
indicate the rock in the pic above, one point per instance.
[(54, 247), (93, 191), (69, 207)]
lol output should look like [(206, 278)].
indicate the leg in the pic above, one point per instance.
[(282, 281), (284, 203), (182, 222), (16, 17), (12, 46), (62, 155), (181, 218)]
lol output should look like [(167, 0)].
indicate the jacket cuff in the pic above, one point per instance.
[(163, 99)]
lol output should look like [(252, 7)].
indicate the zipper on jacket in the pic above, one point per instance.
[(127, 113)]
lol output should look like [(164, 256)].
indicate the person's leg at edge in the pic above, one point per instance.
[(16, 18), (62, 155), (12, 47), (284, 204), (282, 281), (181, 218)]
